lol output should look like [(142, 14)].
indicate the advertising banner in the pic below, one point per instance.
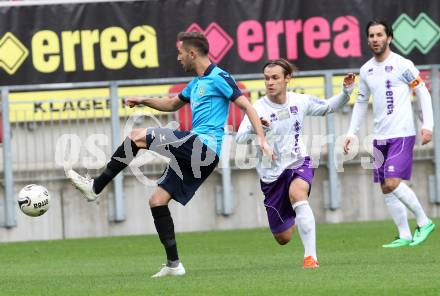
[(137, 40)]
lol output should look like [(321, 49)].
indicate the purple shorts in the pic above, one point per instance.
[(278, 206), (393, 158)]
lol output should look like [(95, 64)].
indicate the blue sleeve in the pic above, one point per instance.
[(227, 87), (185, 95)]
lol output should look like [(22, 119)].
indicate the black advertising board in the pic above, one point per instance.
[(136, 40)]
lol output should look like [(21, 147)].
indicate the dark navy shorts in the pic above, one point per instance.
[(191, 161), (279, 209)]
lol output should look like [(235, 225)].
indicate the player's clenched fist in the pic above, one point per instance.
[(349, 83), (132, 101), (426, 136), (347, 144)]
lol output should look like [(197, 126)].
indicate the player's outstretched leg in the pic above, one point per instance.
[(91, 188), (83, 184)]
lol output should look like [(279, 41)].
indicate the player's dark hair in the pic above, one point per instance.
[(375, 22), (196, 40), (288, 68)]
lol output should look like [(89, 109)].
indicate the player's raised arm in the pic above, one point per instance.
[(254, 120), (336, 102), (167, 104), (320, 107)]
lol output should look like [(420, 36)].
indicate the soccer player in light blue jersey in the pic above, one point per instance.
[(193, 154)]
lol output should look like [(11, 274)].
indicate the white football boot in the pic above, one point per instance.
[(83, 184), (170, 271)]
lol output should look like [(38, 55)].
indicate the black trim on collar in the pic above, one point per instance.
[(209, 69)]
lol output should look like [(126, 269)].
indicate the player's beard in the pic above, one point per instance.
[(188, 67), (382, 48)]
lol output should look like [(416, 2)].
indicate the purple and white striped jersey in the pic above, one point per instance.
[(389, 83), (285, 131)]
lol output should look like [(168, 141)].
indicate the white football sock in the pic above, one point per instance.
[(409, 199), (397, 211), (306, 227)]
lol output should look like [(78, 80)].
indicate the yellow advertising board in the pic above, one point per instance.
[(95, 102)]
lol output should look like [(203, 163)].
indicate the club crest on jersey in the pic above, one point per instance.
[(273, 117), (294, 110), (201, 91), (388, 69)]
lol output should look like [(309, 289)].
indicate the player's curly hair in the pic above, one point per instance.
[(288, 67), (196, 40), (375, 22)]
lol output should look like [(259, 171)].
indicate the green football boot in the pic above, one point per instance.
[(422, 234), (398, 243)]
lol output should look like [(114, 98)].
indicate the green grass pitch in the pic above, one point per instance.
[(243, 262)]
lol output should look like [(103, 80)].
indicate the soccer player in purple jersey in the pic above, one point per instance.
[(390, 79), (286, 182)]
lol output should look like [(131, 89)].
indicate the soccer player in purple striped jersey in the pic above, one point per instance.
[(287, 181), (390, 79)]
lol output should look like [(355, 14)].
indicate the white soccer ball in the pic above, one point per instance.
[(34, 200)]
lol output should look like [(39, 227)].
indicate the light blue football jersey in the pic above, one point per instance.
[(209, 97)]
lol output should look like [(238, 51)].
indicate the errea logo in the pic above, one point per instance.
[(422, 33), (219, 41), (12, 53), (53, 51)]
